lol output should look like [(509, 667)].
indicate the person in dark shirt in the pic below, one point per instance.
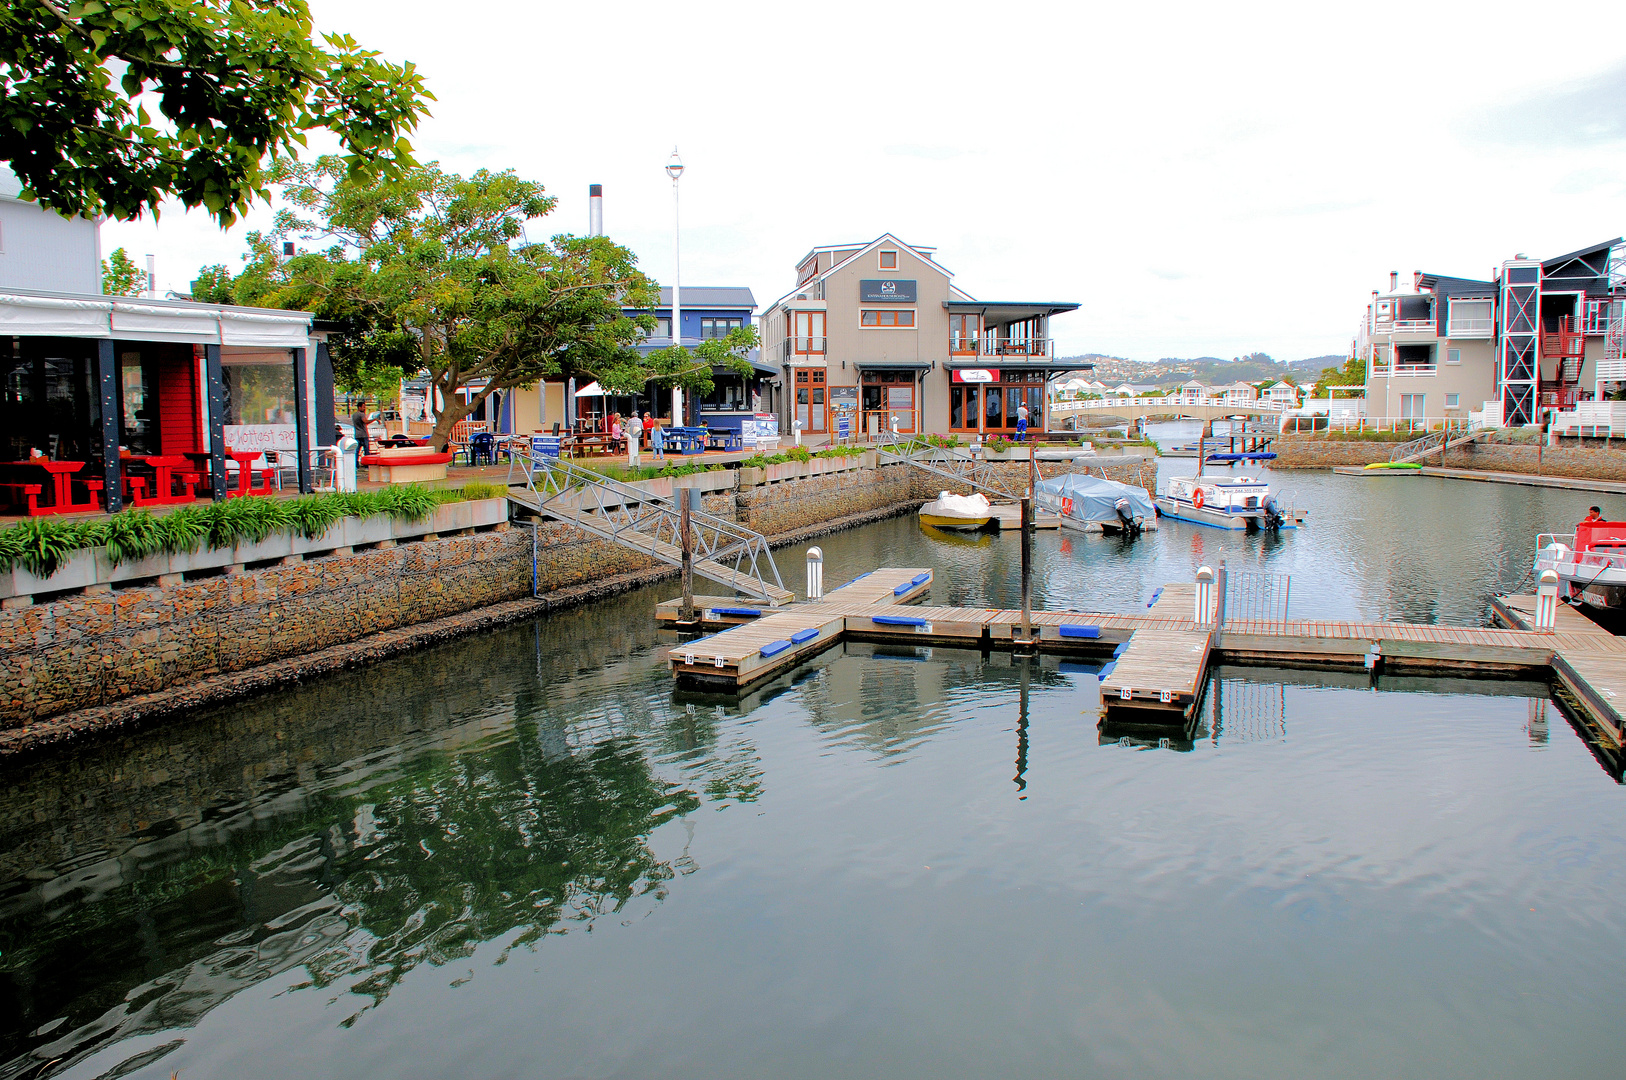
[(358, 423)]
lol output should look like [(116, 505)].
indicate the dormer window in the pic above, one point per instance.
[(889, 260)]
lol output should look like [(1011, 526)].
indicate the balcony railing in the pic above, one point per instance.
[(1406, 326), (1469, 328), (1401, 371), (801, 346), (1038, 348)]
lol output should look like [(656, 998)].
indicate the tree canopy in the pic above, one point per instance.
[(121, 276), (435, 273), (236, 83)]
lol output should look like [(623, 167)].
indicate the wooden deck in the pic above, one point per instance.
[(1162, 670), (1161, 657)]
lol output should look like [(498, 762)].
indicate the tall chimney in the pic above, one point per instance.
[(1394, 281), (152, 277), (595, 209)]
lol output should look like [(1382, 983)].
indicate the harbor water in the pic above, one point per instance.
[(527, 854)]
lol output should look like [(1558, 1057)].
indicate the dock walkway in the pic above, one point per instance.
[(1158, 661), (1604, 487)]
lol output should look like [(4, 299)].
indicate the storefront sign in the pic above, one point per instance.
[(974, 375), (886, 290), (900, 397), (246, 437), (844, 398)]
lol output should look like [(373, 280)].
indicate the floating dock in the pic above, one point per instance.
[(1158, 662)]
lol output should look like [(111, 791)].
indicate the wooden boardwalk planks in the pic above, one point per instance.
[(1161, 670)]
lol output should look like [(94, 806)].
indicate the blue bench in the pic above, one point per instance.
[(803, 635), (1071, 630), (898, 620), (774, 648)]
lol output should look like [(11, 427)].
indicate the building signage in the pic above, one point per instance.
[(974, 375), (844, 398), (886, 290), (246, 437)]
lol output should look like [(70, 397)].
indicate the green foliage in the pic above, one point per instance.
[(214, 285), (680, 366), (433, 272), (946, 442), (236, 82), (121, 276), (999, 444), (1353, 373), (40, 545)]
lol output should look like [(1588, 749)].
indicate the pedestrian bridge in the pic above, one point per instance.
[(1173, 406)]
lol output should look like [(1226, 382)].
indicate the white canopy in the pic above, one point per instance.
[(592, 389)]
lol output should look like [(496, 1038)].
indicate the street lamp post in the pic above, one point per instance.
[(674, 169)]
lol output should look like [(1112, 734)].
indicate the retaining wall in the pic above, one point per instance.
[(1580, 462)]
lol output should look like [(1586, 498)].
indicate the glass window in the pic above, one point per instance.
[(1453, 356), (258, 392), (716, 328), (49, 400), (886, 318), (1453, 401), (889, 260), (993, 414)]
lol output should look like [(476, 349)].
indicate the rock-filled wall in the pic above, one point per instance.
[(1574, 461), (1141, 472), (793, 505)]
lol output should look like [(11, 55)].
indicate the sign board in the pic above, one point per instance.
[(886, 290), (844, 426), (900, 397), (844, 398), (246, 437), (545, 445), (974, 375), (761, 428)]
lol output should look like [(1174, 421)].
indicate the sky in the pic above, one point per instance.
[(1202, 180)]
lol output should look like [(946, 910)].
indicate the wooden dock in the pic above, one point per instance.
[(1157, 662), (1008, 516)]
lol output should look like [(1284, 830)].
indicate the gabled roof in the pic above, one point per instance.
[(1589, 257), (919, 249), (923, 252), (1446, 285)]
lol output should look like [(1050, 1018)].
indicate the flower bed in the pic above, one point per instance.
[(51, 554)]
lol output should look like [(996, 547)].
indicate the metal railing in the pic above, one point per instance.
[(1406, 326), (1173, 400), (950, 463), (1401, 371), (1252, 596), (802, 346), (723, 551)]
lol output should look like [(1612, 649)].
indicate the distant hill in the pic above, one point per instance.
[(1255, 368)]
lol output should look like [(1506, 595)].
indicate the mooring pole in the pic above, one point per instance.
[(686, 612), (1027, 573)]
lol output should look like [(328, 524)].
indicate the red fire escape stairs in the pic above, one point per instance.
[(1568, 346)]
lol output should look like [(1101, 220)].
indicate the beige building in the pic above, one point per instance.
[(877, 335)]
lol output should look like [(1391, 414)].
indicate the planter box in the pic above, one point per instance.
[(93, 567)]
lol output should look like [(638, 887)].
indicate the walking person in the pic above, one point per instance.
[(1022, 422), (358, 424)]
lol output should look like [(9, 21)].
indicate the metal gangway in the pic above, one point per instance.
[(1436, 442), (950, 463), (632, 517)]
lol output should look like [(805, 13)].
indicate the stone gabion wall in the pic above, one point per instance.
[(800, 504), (1140, 472), (1577, 462)]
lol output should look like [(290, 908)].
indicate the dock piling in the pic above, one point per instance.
[(1027, 573), (686, 612), (815, 573)]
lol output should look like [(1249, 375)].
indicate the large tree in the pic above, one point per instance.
[(434, 273), (235, 83)]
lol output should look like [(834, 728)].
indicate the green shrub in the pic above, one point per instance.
[(999, 444)]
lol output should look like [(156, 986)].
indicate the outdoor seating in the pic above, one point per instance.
[(482, 448), (61, 487), (406, 466)]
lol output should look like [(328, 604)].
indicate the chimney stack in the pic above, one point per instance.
[(595, 209), (1394, 281), (152, 277)]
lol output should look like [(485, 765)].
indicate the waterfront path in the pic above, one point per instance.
[(1602, 487)]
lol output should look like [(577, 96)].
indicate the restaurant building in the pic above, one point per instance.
[(93, 387), (877, 335)]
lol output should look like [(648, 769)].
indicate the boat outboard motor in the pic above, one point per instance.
[(1131, 523), (1273, 513)]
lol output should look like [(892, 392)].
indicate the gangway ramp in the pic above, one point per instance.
[(649, 522), (949, 463)]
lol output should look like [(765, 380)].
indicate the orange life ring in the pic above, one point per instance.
[(1197, 498)]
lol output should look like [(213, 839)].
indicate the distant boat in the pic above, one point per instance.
[(1226, 502), (1393, 468), (949, 511)]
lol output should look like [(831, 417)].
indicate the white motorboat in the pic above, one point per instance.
[(1226, 502), (949, 511), (1590, 563)]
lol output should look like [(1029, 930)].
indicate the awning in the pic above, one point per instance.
[(892, 365), (592, 389)]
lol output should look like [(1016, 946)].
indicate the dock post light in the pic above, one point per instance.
[(1204, 613), (674, 169)]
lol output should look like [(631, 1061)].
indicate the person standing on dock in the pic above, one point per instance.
[(1022, 422)]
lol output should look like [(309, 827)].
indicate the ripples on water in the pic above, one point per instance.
[(523, 854)]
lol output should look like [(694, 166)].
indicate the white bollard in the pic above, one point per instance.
[(797, 425), (815, 573), (1204, 613), (1547, 601)]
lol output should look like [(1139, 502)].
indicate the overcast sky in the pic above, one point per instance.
[(1212, 179)]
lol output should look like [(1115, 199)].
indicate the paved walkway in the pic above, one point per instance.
[(1607, 487)]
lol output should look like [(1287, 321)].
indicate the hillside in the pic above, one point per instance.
[(1255, 368)]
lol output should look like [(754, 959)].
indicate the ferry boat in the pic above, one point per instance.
[(949, 511), (1226, 502), (1590, 563)]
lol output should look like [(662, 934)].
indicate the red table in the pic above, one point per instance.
[(163, 485), (61, 487), (246, 475)]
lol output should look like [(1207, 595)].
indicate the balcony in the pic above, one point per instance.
[(1036, 348), (1404, 371), (1470, 328), (812, 348)]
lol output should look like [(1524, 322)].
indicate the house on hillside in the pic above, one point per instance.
[(1538, 337), (1239, 393), (1191, 391), (1283, 394)]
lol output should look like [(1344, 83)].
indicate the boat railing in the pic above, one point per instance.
[(1603, 560)]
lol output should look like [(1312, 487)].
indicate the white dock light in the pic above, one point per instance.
[(815, 574), (1204, 613), (1547, 600)]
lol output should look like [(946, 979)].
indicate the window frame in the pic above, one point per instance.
[(880, 262), (1453, 401), (864, 313), (1453, 356)]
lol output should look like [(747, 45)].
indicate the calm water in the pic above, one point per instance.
[(524, 855)]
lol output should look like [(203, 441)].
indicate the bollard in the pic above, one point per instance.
[(1547, 601), (815, 574), (797, 425), (1204, 613)]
